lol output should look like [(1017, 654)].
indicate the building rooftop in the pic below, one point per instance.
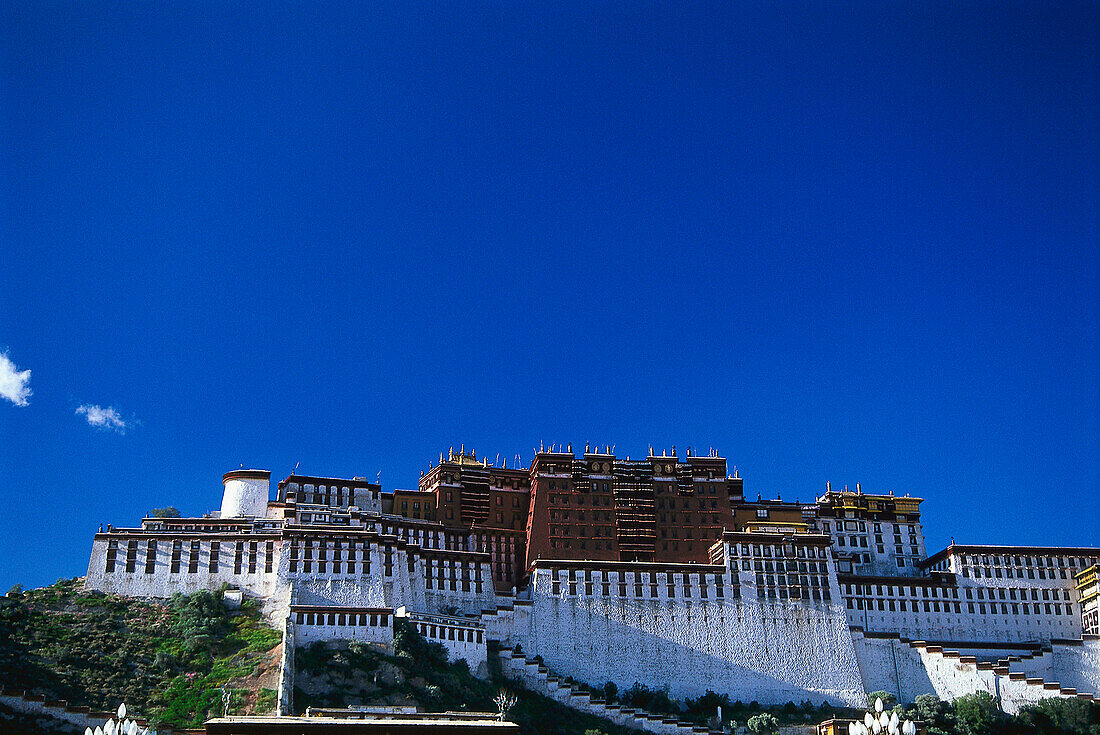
[(953, 549)]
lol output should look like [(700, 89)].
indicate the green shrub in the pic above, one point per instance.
[(266, 700), (888, 700), (978, 714), (167, 661), (1060, 716), (764, 723)]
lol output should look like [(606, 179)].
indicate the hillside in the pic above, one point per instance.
[(418, 673), (166, 659)]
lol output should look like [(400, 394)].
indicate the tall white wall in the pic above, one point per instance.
[(911, 670), (768, 652), (401, 587), (956, 614), (163, 582), (890, 665), (1077, 664)]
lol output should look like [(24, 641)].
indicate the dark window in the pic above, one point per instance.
[(151, 558), (112, 552), (131, 555), (177, 554)]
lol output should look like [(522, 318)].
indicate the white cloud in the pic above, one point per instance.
[(14, 384), (107, 419)]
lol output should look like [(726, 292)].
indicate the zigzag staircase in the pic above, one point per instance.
[(540, 679), (1000, 674), (30, 704), (1012, 678)]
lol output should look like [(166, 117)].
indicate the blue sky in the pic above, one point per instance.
[(851, 242)]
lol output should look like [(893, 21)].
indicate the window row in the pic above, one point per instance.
[(945, 606), (187, 556), (450, 633), (638, 590), (768, 550), (374, 620)]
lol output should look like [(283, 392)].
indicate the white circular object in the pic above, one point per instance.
[(246, 493)]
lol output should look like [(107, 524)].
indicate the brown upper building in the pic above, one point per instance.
[(593, 507), (600, 507), (464, 492)]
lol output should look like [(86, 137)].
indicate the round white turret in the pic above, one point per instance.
[(246, 493)]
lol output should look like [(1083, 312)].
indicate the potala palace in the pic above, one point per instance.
[(654, 570)]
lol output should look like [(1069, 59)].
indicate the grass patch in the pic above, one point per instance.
[(418, 672), (166, 659)]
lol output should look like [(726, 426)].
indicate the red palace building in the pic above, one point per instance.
[(596, 506)]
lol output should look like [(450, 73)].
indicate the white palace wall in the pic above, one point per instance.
[(245, 495), (768, 620), (159, 579), (1010, 612), (385, 571), (771, 652), (327, 624), (1076, 664), (887, 664), (1016, 677), (395, 584)]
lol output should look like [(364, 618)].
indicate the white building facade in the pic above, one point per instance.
[(820, 614)]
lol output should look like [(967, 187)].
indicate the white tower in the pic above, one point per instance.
[(246, 493)]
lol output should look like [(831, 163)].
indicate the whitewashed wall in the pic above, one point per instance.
[(890, 665), (306, 633), (162, 582), (1077, 665), (245, 496), (769, 652), (1003, 624)]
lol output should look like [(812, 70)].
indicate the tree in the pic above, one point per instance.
[(168, 512), (642, 697), (764, 723), (1057, 715), (937, 715), (610, 692), (888, 699), (978, 714)]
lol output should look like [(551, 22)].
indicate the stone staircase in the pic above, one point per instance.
[(1017, 679), (30, 704), (1038, 662), (960, 674), (540, 679)]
